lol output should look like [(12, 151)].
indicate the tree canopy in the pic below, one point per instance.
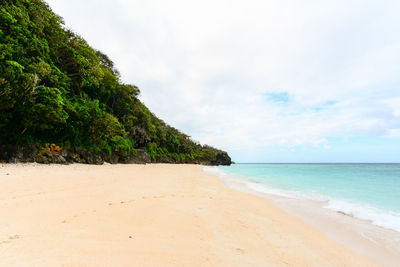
[(55, 88)]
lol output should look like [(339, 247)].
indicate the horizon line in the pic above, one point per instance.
[(316, 163)]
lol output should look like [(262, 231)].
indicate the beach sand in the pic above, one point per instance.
[(374, 242), (149, 215)]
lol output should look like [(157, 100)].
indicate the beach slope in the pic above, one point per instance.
[(148, 215)]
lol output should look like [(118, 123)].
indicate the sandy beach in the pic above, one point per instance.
[(149, 215)]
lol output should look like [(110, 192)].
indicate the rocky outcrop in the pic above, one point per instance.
[(222, 158), (15, 154), (50, 158), (82, 155), (143, 155), (54, 154)]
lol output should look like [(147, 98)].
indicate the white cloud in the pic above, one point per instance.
[(205, 67)]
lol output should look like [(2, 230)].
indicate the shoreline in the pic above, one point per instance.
[(369, 240), (156, 214)]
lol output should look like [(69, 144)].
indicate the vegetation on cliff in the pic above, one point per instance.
[(56, 89)]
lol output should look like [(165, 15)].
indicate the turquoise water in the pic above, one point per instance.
[(366, 191)]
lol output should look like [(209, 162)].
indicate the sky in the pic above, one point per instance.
[(268, 80)]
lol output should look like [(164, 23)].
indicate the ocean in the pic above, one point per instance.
[(365, 191)]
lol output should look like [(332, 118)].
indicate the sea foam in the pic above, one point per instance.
[(377, 216), (380, 217)]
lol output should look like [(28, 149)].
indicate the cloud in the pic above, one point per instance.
[(245, 75)]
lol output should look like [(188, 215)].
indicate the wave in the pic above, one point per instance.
[(275, 191), (377, 216), (384, 218)]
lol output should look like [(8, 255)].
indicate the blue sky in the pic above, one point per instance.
[(268, 81)]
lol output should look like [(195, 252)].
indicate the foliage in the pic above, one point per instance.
[(55, 88)]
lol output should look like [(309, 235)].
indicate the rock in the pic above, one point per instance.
[(65, 153), (15, 154), (94, 159), (59, 159), (165, 160), (29, 153), (131, 159), (222, 158), (46, 158), (42, 158), (143, 156), (114, 159), (19, 156), (75, 157), (82, 155)]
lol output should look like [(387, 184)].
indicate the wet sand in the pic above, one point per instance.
[(371, 241)]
